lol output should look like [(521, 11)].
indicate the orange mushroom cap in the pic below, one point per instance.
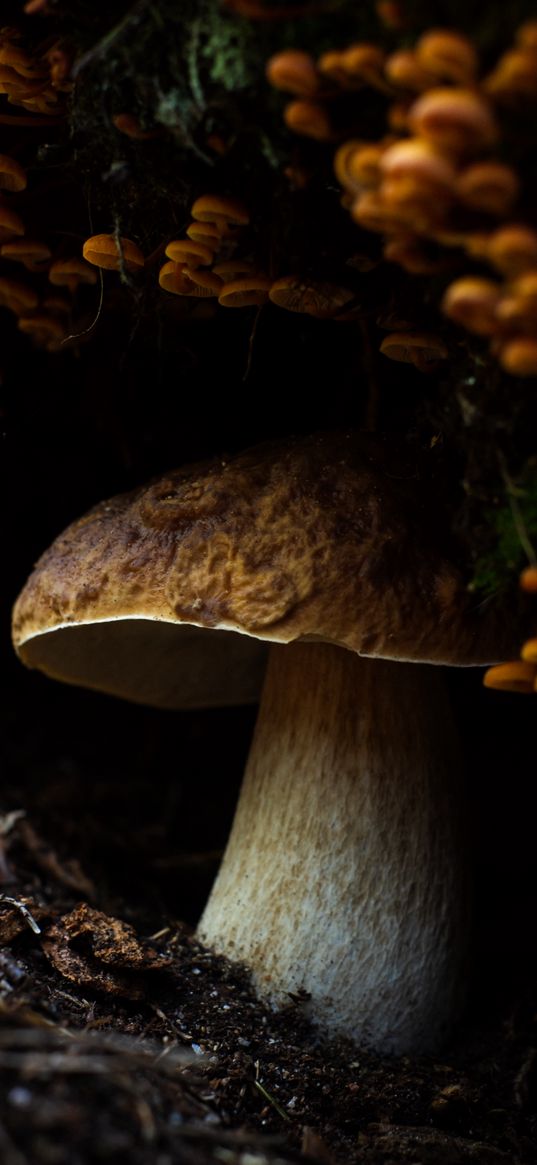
[(189, 251), (113, 253), (11, 224), (422, 349), (70, 272), (456, 119), (488, 186), (448, 54), (32, 253), (293, 71), (512, 249), (514, 676), (473, 302), (309, 118), (220, 209), (519, 356), (12, 174), (529, 651), (245, 291), (528, 580), (319, 299)]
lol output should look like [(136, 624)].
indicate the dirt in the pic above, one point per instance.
[(123, 1039)]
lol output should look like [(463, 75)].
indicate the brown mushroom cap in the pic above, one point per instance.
[(316, 538)]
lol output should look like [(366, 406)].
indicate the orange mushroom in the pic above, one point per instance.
[(12, 174), (519, 356), (225, 212), (454, 119), (404, 70), (528, 580), (514, 676), (293, 71), (112, 252), (172, 278), (449, 55), (195, 254), (71, 272), (323, 300), (512, 249), (310, 119), (11, 224), (30, 252), (422, 349), (488, 186), (245, 291), (473, 301)]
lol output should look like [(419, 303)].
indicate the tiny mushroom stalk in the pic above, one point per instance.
[(344, 876)]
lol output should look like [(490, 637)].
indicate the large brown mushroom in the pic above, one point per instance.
[(344, 872)]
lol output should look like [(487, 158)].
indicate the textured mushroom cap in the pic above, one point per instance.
[(320, 538)]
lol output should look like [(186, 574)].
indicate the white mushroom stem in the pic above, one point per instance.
[(343, 874)]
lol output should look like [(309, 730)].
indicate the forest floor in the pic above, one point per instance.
[(125, 1043)]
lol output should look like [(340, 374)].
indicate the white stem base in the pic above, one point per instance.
[(343, 872)]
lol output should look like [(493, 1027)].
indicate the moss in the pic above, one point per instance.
[(514, 525)]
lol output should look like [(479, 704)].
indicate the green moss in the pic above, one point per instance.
[(515, 526)]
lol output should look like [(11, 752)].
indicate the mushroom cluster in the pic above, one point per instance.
[(36, 82), (205, 263), (436, 186)]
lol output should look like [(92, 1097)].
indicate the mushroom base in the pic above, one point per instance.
[(343, 876)]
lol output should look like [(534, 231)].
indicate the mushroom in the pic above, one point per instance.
[(343, 875)]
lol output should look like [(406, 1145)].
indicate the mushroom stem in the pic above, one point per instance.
[(343, 873)]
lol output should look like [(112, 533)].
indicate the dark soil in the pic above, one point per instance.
[(122, 1039)]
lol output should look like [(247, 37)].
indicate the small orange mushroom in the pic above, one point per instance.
[(528, 580), (473, 301), (519, 356), (207, 233), (225, 212), (310, 119), (363, 64), (512, 249), (129, 125), (422, 349), (12, 174), (11, 224), (245, 291), (404, 71), (449, 55), (71, 272), (514, 676), (30, 252), (204, 282), (417, 180), (171, 278), (293, 71), (488, 186), (529, 651), (189, 251), (457, 120), (324, 301), (113, 253), (514, 78)]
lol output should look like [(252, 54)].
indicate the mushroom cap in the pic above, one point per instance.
[(165, 595)]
